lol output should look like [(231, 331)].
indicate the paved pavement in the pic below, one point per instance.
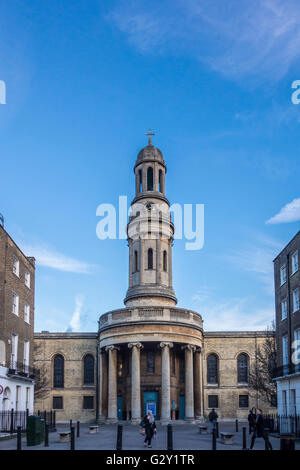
[(185, 437)]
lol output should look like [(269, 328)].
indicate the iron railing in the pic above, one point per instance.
[(10, 420), (283, 424), (23, 370)]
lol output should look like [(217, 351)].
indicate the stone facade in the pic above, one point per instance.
[(150, 354)]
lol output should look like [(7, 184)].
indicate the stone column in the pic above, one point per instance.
[(112, 414), (189, 382), (198, 384), (135, 382), (165, 381), (102, 377)]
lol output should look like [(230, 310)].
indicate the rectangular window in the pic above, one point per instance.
[(57, 403), (295, 265), (150, 362), (283, 309), (27, 279), (213, 401), (284, 404), (27, 397), (26, 356), (243, 401), (26, 312), (14, 351), (16, 266), (292, 402), (88, 403), (282, 274), (18, 397), (285, 356), (296, 299), (15, 304)]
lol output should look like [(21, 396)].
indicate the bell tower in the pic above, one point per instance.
[(150, 233)]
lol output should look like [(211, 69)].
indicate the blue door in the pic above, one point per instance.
[(181, 407), (150, 403), (120, 408)]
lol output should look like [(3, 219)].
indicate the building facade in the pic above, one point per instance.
[(17, 282), (150, 355), (287, 304)]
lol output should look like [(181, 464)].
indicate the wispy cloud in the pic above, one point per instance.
[(75, 322), (289, 213), (257, 257), (55, 260), (237, 39), (232, 314)]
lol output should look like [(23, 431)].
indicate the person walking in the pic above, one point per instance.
[(251, 420), (260, 431), (213, 417), (150, 428)]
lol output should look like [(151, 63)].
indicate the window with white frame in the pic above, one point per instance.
[(297, 334), (283, 309), (292, 401), (15, 303), (26, 355), (284, 403), (14, 350), (16, 266), (27, 279), (18, 397), (282, 274), (296, 299), (295, 265), (285, 355), (27, 397), (26, 312)]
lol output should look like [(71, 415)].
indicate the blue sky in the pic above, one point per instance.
[(85, 80)]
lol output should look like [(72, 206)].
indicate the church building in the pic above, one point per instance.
[(149, 355)]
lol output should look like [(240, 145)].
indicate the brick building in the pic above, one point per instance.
[(287, 304), (17, 278)]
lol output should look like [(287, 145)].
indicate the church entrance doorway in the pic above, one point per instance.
[(181, 407), (150, 403)]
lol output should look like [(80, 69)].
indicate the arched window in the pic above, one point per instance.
[(165, 260), (88, 370), (160, 183), (136, 261), (150, 179), (242, 365), (58, 371), (150, 258), (140, 181), (212, 369)]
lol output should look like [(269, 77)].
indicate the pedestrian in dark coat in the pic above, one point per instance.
[(251, 421), (260, 431), (150, 428)]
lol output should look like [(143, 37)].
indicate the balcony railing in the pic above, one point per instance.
[(287, 369), (22, 369)]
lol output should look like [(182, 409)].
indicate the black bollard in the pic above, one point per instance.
[(46, 435), (119, 437), (70, 424), (236, 426), (72, 447), (244, 439), (170, 437), (214, 439), (19, 438), (78, 428)]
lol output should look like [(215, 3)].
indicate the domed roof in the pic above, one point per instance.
[(150, 153)]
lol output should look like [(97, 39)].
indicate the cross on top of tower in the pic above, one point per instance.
[(150, 133)]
